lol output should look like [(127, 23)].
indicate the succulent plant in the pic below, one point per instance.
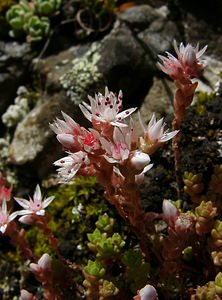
[(17, 16), (47, 7), (37, 28)]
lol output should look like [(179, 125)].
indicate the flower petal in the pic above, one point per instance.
[(47, 201), (22, 202)]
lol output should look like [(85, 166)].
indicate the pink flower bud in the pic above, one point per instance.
[(147, 293), (66, 140), (169, 210), (45, 262), (35, 268), (25, 295), (140, 160)]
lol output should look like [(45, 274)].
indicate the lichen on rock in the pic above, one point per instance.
[(83, 75)]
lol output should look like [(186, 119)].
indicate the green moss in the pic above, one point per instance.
[(203, 100), (74, 212), (38, 242)]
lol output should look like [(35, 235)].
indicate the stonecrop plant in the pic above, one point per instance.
[(31, 18), (171, 244)]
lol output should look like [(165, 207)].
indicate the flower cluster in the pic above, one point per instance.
[(187, 65), (111, 139)]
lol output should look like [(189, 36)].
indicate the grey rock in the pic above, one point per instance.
[(140, 17), (14, 61), (33, 140)]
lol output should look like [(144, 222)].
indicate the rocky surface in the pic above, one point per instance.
[(14, 61)]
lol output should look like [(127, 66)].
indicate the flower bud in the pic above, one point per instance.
[(45, 262), (66, 140), (147, 293), (139, 160), (25, 295), (170, 212)]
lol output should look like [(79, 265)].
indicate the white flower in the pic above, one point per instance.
[(5, 217), (154, 134), (106, 109), (69, 126), (35, 205), (117, 150), (69, 165), (189, 55), (187, 65)]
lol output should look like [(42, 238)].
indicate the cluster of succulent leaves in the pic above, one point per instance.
[(212, 290), (114, 268), (4, 6), (31, 18)]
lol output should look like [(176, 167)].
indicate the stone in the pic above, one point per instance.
[(33, 141), (14, 61)]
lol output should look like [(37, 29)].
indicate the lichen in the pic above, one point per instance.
[(9, 172), (83, 75), (16, 112)]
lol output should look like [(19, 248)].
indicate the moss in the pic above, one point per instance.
[(38, 242), (9, 274), (203, 100), (73, 212)]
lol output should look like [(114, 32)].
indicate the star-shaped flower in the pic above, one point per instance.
[(106, 109), (69, 165), (186, 65), (118, 150), (35, 205), (154, 134)]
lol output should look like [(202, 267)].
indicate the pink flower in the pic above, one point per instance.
[(67, 132), (73, 137), (5, 217), (147, 293), (35, 205), (118, 150), (106, 109), (90, 140), (179, 222), (69, 165), (187, 65), (154, 134)]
